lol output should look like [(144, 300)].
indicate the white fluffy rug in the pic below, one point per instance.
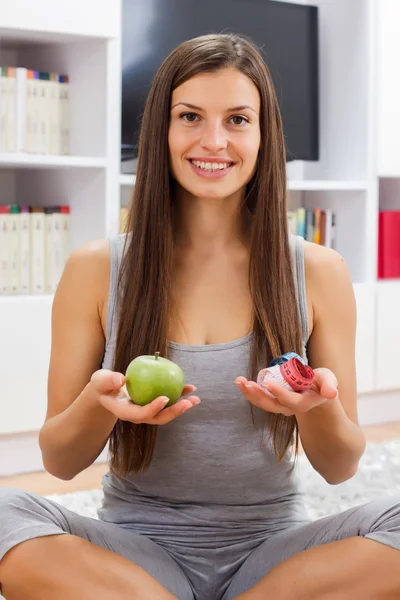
[(378, 475)]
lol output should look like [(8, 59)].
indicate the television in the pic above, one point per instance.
[(286, 33)]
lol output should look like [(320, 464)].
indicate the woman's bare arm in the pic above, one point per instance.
[(77, 426), (330, 433)]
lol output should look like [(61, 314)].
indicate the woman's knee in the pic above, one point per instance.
[(383, 515), (12, 499), (19, 508)]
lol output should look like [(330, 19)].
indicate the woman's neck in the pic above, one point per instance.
[(210, 224)]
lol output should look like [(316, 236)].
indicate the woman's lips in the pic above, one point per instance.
[(212, 174)]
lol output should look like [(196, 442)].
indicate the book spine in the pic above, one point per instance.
[(35, 112), (30, 109), (4, 250), (38, 250), (54, 114), (64, 114), (328, 228), (25, 250), (301, 222), (317, 226), (21, 108), (58, 262), (66, 243), (3, 108), (11, 125), (44, 135), (48, 218), (14, 250)]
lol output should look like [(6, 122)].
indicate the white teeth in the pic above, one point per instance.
[(207, 166)]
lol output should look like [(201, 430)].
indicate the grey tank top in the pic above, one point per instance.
[(217, 454)]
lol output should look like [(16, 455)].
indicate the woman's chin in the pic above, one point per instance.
[(211, 191)]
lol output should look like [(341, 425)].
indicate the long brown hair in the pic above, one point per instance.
[(145, 280)]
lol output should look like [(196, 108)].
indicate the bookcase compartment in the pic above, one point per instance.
[(83, 191), (59, 20), (387, 335), (344, 47), (389, 229), (56, 211), (85, 65), (24, 352), (365, 336), (350, 227), (388, 99)]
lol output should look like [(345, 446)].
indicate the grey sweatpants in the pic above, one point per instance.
[(201, 573)]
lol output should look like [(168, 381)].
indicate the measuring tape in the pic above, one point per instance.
[(285, 357), (292, 374)]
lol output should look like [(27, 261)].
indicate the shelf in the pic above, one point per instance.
[(44, 161), (395, 283), (127, 180), (294, 185), (59, 21), (326, 185), (26, 299)]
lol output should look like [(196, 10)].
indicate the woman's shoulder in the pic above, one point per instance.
[(328, 278), (93, 256), (88, 268), (323, 263), (83, 288)]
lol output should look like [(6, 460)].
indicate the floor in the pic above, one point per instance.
[(43, 483)]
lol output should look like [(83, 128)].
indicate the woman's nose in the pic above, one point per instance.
[(214, 137)]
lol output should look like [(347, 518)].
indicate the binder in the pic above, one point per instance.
[(389, 244)]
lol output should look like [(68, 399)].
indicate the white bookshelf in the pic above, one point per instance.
[(359, 170), (34, 161)]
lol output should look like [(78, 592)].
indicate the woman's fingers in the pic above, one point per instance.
[(188, 389), (153, 413), (259, 397), (174, 411)]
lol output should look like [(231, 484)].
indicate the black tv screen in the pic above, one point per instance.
[(287, 34)]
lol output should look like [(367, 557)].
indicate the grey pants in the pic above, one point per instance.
[(201, 573)]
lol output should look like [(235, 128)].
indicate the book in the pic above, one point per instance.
[(389, 244), (14, 249), (314, 225), (24, 258), (34, 247), (4, 250), (34, 111)]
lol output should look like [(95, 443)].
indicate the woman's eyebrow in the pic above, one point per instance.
[(193, 107)]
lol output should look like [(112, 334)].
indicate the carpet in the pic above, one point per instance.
[(378, 475)]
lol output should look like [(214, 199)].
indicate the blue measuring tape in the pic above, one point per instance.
[(279, 360)]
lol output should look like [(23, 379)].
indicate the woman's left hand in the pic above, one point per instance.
[(286, 402)]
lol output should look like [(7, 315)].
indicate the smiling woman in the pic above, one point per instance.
[(220, 136), (201, 501)]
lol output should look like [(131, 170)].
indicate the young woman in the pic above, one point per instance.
[(201, 501)]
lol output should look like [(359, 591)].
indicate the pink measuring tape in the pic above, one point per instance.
[(292, 375)]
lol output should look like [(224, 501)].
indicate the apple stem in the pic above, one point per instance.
[(157, 354)]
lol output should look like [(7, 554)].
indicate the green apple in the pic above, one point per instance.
[(148, 377)]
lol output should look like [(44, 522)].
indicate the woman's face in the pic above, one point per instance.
[(214, 133)]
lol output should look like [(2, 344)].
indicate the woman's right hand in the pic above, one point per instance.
[(110, 389)]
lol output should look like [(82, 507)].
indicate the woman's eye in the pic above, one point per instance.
[(238, 120), (189, 117)]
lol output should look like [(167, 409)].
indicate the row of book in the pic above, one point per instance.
[(314, 225), (389, 244), (34, 111), (34, 247), (318, 226)]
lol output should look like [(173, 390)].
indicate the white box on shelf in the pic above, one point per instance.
[(387, 335), (365, 336), (24, 354), (388, 59)]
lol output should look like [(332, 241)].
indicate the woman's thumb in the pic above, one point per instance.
[(105, 380)]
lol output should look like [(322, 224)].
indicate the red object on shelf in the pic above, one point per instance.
[(389, 244)]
